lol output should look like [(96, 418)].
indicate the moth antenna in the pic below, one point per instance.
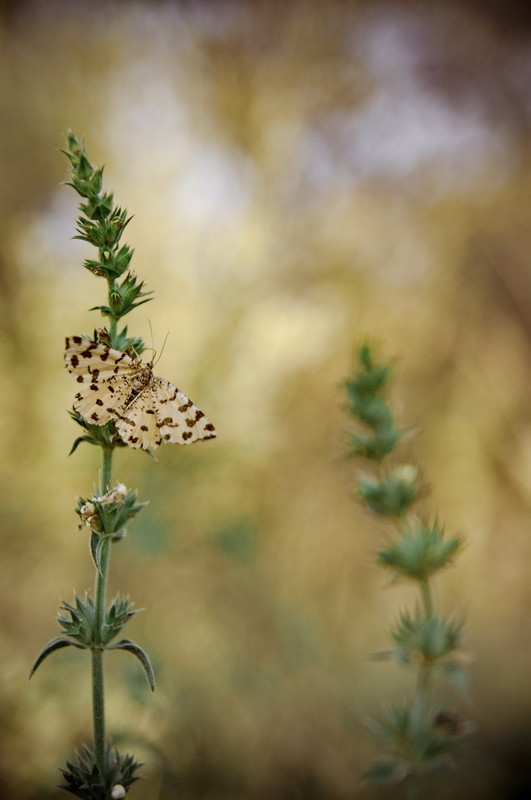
[(152, 348), (162, 349)]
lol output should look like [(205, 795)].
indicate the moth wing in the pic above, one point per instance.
[(99, 402), (93, 362), (179, 421), (137, 425)]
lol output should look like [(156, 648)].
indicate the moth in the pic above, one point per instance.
[(147, 410)]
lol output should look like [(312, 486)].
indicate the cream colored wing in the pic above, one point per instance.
[(101, 402), (178, 419), (92, 362), (162, 413)]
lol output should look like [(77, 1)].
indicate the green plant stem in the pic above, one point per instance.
[(106, 470), (113, 321), (422, 698), (427, 598), (98, 709), (98, 690)]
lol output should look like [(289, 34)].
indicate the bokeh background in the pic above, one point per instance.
[(303, 175)]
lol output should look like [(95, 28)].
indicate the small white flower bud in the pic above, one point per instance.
[(117, 792), (115, 495), (407, 473), (88, 514)]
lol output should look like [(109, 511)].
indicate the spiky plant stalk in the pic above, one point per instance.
[(420, 734), (101, 772)]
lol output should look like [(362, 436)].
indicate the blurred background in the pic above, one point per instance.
[(302, 176)]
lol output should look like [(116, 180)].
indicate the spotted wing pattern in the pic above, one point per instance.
[(147, 410)]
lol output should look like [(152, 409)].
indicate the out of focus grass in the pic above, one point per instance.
[(316, 173)]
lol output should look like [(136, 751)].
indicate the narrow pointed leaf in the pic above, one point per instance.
[(96, 543), (136, 650), (55, 644), (78, 442), (141, 302)]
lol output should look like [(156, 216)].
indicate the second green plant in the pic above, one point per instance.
[(422, 733)]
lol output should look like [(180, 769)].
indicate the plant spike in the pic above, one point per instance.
[(139, 410), (414, 735)]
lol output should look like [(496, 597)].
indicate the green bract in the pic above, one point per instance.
[(368, 403), (109, 513), (426, 638), (420, 552), (102, 224), (393, 494), (85, 778)]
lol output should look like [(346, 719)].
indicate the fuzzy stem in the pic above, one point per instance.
[(106, 470), (112, 331), (427, 598), (422, 697), (113, 320), (98, 709), (421, 702), (98, 693)]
